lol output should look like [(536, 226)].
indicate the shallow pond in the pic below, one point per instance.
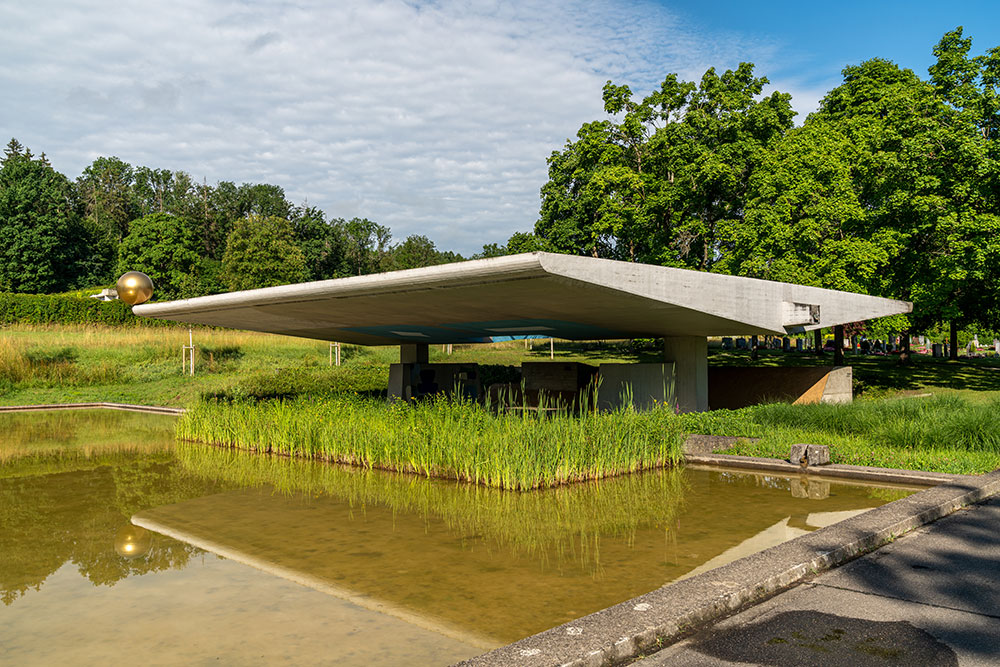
[(118, 544)]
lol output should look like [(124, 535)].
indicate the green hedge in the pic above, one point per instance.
[(48, 309)]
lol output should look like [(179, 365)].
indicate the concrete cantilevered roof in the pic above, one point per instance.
[(564, 296)]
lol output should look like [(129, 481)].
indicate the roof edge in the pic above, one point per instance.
[(473, 271)]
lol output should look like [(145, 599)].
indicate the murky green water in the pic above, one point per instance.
[(118, 544)]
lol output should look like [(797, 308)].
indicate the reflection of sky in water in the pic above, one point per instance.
[(345, 566), (212, 609)]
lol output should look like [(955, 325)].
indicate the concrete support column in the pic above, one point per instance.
[(414, 353), (838, 345), (689, 355)]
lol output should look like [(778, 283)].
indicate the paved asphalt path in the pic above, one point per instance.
[(931, 597)]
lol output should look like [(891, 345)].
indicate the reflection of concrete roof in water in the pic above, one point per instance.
[(564, 296), (454, 580)]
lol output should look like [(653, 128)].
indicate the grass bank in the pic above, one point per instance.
[(69, 364), (444, 438), (951, 433)]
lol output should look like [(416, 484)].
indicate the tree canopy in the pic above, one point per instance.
[(658, 181), (261, 251), (164, 247), (890, 188), (42, 241)]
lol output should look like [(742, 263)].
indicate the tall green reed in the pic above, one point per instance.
[(449, 438)]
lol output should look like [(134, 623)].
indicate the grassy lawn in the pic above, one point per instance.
[(64, 364), (933, 415), (59, 364), (944, 433)]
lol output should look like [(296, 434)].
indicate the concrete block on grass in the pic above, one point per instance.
[(810, 455)]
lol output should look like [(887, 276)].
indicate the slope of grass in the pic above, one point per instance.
[(948, 433)]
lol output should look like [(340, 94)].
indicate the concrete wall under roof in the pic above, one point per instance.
[(643, 386)]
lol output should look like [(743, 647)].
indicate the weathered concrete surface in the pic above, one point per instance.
[(809, 455), (413, 380), (644, 386), (832, 470), (735, 387), (839, 386), (576, 298), (643, 624), (689, 354), (706, 445), (931, 597)]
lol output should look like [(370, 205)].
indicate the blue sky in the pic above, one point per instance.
[(431, 117), (812, 41)]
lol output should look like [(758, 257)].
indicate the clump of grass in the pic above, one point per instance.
[(944, 421), (445, 438), (723, 422), (219, 355), (48, 367), (13, 366), (42, 358), (288, 383)]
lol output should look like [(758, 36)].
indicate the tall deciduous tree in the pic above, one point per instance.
[(804, 222), (366, 245), (969, 288), (928, 180), (164, 247), (657, 182), (105, 190), (263, 199), (322, 243), (261, 252)]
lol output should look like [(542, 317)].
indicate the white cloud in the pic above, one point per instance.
[(433, 118)]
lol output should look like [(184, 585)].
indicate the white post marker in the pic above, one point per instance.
[(338, 353), (552, 348), (188, 350)]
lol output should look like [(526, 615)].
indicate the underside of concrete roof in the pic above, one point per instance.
[(541, 294)]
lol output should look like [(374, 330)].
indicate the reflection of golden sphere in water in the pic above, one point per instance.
[(134, 288), (133, 541)]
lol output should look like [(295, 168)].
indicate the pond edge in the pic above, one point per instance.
[(647, 623), (151, 409)]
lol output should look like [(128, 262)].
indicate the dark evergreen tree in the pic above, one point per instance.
[(43, 245)]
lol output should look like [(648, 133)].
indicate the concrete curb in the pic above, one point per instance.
[(649, 622), (831, 470), (85, 406)]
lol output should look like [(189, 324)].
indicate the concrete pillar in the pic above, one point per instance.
[(689, 355), (838, 345), (414, 353)]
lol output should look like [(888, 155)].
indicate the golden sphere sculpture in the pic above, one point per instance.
[(134, 288), (133, 541)]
